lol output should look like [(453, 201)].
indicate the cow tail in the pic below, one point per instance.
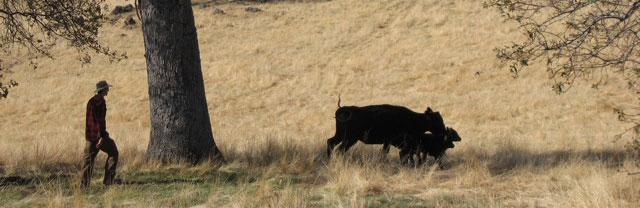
[(339, 101)]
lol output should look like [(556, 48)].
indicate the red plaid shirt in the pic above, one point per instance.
[(96, 124)]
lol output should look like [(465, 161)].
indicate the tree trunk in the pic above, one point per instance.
[(180, 125)]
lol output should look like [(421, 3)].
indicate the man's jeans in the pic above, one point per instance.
[(90, 152)]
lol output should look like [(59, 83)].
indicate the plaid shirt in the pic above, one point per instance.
[(96, 113)]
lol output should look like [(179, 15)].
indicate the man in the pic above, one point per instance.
[(98, 138)]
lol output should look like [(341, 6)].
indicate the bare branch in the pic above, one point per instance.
[(38, 25), (578, 39)]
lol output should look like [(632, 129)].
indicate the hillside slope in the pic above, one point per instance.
[(272, 83), (279, 73)]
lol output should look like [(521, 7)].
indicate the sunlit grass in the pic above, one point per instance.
[(272, 83)]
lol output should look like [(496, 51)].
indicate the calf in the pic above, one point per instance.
[(383, 124), (436, 146)]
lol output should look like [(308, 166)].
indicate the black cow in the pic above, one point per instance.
[(384, 124)]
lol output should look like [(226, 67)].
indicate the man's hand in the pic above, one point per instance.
[(99, 144)]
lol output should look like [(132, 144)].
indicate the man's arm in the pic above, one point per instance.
[(100, 114)]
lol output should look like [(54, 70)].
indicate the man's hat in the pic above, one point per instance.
[(101, 85)]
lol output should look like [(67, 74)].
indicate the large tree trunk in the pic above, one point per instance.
[(180, 125)]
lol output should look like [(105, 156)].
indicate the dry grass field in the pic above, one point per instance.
[(273, 79)]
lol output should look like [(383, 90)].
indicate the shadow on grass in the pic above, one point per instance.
[(176, 175), (512, 158), (155, 177), (21, 181), (437, 200), (162, 181)]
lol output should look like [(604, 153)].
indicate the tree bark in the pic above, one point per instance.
[(180, 125)]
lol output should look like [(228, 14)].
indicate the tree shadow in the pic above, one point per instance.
[(22, 181), (159, 177), (14, 180), (509, 159), (173, 176), (162, 181)]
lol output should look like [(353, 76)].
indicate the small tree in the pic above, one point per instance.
[(578, 39)]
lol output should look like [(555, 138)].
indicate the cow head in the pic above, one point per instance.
[(435, 122), (451, 136)]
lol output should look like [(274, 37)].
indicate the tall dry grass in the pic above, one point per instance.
[(272, 81), (284, 172)]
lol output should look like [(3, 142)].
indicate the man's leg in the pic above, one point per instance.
[(90, 152), (109, 147)]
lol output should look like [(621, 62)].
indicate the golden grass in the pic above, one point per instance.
[(272, 81)]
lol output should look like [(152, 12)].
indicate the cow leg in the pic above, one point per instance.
[(405, 154), (411, 154), (421, 157), (439, 159), (331, 143), (385, 149), (346, 144), (413, 148), (421, 152)]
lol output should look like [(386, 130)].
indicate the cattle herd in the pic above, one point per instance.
[(415, 134)]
